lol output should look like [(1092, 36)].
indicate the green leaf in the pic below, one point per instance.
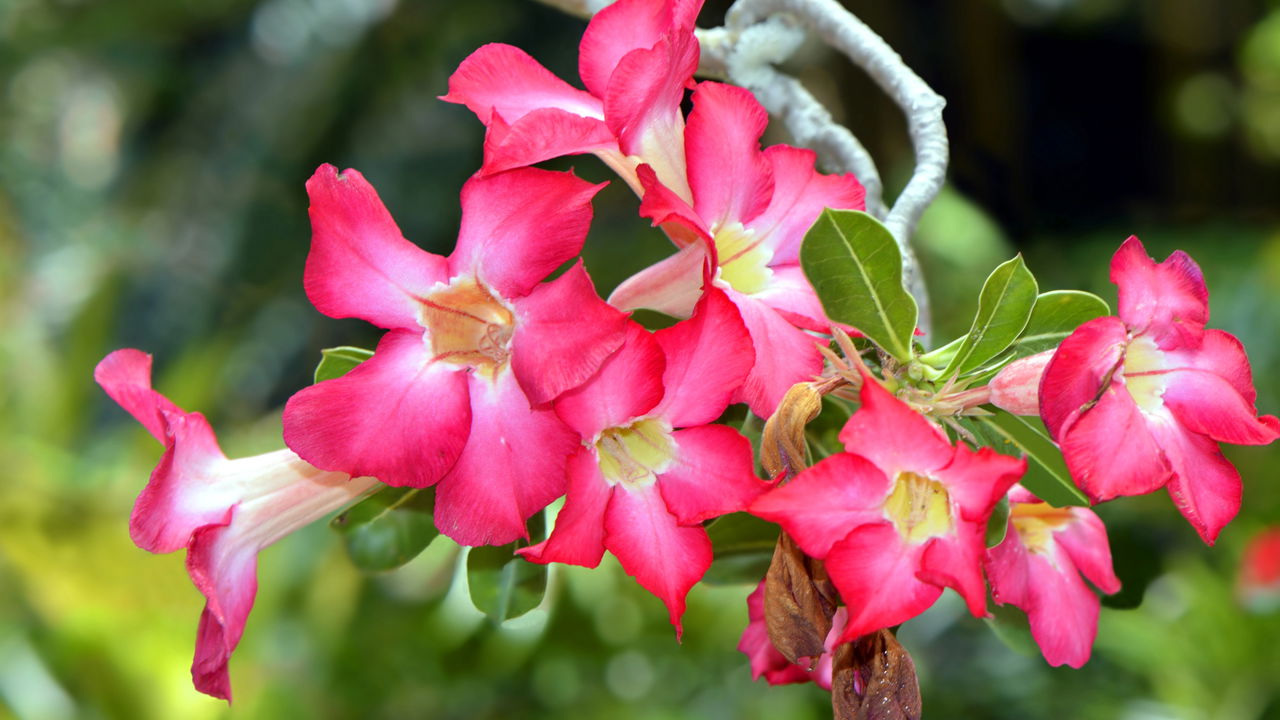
[(1047, 474), (998, 523), (1055, 316), (856, 269), (338, 361), (743, 546), (941, 357), (389, 528), (1004, 305), (1011, 626), (504, 585)]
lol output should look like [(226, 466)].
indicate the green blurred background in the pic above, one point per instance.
[(152, 161)]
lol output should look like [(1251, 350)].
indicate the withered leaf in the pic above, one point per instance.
[(799, 601), (873, 678), (782, 448)]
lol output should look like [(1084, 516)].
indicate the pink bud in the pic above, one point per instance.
[(1016, 388)]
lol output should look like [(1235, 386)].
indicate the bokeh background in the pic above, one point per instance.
[(152, 161)]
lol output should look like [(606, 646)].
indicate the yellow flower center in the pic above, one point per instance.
[(744, 262), (467, 325), (1142, 356), (919, 507), (636, 454), (1036, 522)]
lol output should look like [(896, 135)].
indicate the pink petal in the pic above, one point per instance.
[(1110, 450), (625, 26), (126, 377), (893, 436), (543, 134), (564, 331), (955, 561), (1205, 487), (664, 207), (578, 535), (664, 557), (1168, 300), (730, 178), (628, 386), (504, 80), (876, 574), (672, 286), (225, 572), (1080, 369), (708, 357), (512, 466), (1016, 388), (976, 481), (1085, 542), (765, 659), (824, 503), (398, 416), (785, 355), (800, 193), (791, 295), (519, 226), (713, 474), (186, 491), (1220, 353), (359, 264), (1209, 404)]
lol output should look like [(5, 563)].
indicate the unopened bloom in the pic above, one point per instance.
[(749, 211), (1038, 568), (478, 345), (897, 516), (222, 511), (1140, 401), (652, 466), (772, 665), (1016, 388)]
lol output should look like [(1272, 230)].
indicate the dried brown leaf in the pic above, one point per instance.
[(873, 678), (799, 601), (782, 449)]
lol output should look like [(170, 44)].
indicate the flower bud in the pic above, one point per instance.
[(1016, 388)]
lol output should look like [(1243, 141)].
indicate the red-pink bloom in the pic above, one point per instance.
[(652, 467), (1038, 566), (635, 59), (1140, 401), (772, 665), (1259, 580), (1016, 388), (457, 391), (896, 517), (750, 210), (222, 511)]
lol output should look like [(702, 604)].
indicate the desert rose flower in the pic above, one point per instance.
[(773, 666), (636, 57), (457, 392), (1140, 401), (897, 516), (1038, 566), (1258, 584), (750, 210), (222, 511), (651, 467)]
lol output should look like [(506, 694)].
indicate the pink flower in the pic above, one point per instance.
[(222, 511), (1140, 401), (772, 665), (1259, 582), (896, 517), (1016, 388), (457, 391), (635, 59), (750, 210), (651, 467), (1038, 566)]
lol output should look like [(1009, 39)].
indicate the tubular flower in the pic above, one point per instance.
[(750, 210), (457, 390), (1140, 401), (636, 57), (222, 511), (1038, 566), (651, 466), (897, 516), (772, 665)]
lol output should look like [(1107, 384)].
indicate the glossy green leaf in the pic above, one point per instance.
[(389, 528), (998, 523), (338, 361), (743, 546), (504, 585), (941, 357), (1055, 316), (1004, 305), (856, 269), (1047, 474)]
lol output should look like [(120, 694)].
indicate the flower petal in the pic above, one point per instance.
[(708, 357), (1168, 300), (1080, 369), (226, 573), (672, 286), (512, 466), (1085, 542), (1220, 353), (791, 295), (1209, 404), (667, 559), (893, 436), (785, 355), (955, 561), (664, 207), (976, 481), (824, 503), (800, 193), (189, 488), (765, 659), (1110, 449), (578, 535), (1205, 487), (125, 375), (564, 331), (713, 474), (625, 26), (360, 265), (628, 385), (543, 134), (876, 574), (519, 226), (398, 416), (504, 80), (730, 178)]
